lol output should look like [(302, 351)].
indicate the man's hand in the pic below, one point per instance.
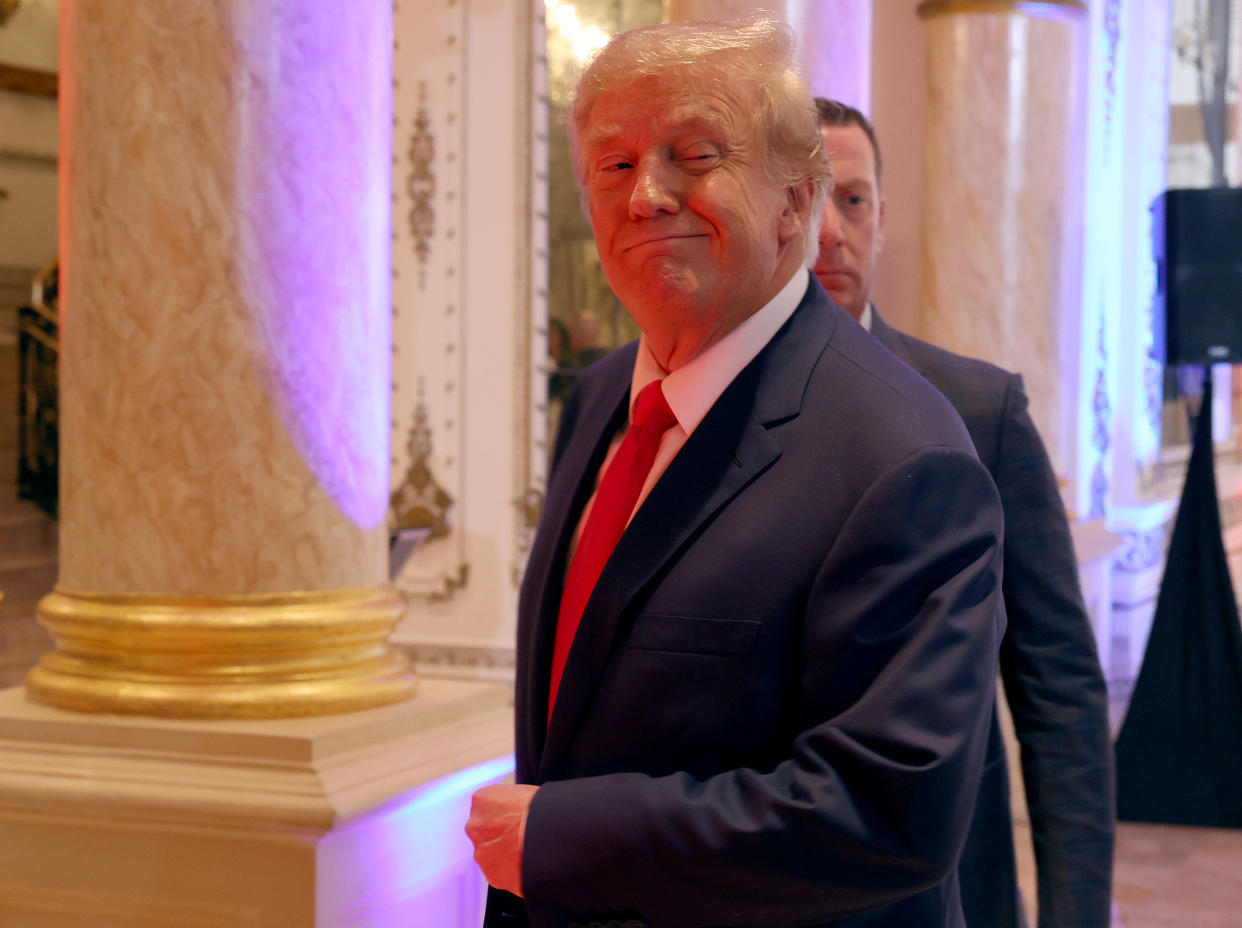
[(497, 826)]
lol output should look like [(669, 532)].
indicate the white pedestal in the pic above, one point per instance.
[(346, 820)]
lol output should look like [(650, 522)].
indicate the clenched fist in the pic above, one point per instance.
[(497, 826)]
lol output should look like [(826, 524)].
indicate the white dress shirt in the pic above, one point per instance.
[(864, 318), (693, 389)]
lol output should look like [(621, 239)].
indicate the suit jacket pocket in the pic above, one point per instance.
[(684, 634)]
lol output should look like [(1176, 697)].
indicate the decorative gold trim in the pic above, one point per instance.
[(930, 8), (259, 656), (450, 584), (419, 501), (421, 184), (29, 80)]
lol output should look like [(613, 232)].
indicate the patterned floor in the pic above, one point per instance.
[(1164, 876)]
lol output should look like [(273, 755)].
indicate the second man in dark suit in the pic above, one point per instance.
[(1049, 666)]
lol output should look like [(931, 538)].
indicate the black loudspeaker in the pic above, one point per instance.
[(1198, 244)]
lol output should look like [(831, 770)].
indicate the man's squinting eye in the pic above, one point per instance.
[(614, 165), (701, 151)]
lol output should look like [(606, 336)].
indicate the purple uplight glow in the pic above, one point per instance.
[(836, 40), (411, 863), (314, 139)]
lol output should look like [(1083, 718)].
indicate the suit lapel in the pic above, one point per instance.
[(598, 418), (731, 447)]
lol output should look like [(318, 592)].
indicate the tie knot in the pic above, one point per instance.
[(651, 412)]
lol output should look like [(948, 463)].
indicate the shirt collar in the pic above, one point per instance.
[(693, 389), (864, 318)]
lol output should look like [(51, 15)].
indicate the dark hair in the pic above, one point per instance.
[(834, 114)]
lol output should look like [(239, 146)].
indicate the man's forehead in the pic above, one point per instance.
[(849, 150), (616, 118)]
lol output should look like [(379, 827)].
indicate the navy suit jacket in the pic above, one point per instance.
[(1049, 666), (775, 709)]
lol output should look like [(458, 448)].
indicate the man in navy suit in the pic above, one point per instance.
[(774, 707), (1049, 665)]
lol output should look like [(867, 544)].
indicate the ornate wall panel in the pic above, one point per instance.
[(1119, 370), (429, 290), (470, 440), (1127, 155), (1149, 143), (533, 441), (1101, 301)]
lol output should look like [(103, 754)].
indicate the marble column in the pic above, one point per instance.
[(225, 293), (225, 417), (997, 191)]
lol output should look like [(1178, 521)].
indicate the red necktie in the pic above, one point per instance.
[(614, 504)]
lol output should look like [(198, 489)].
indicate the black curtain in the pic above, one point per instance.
[(1179, 754)]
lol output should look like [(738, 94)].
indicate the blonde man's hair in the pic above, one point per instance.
[(760, 53)]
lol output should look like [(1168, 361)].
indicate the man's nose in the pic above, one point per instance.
[(655, 188), (830, 234)]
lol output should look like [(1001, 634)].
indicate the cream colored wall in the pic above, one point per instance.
[(27, 179), (28, 39), (897, 88), (28, 141)]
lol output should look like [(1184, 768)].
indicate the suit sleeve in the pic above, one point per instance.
[(900, 634), (1054, 686)]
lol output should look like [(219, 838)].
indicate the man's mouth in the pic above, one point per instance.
[(657, 241), (833, 276)]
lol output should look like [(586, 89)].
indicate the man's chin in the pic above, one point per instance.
[(835, 284)]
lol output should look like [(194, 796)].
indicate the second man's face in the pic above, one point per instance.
[(852, 234)]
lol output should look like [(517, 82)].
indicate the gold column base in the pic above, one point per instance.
[(237, 657)]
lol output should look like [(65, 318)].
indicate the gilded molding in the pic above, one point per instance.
[(450, 584), (240, 657), (929, 8), (419, 501), (448, 658), (422, 186)]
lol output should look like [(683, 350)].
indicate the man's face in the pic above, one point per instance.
[(853, 231), (692, 234)]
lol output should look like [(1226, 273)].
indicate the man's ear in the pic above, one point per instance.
[(796, 215)]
